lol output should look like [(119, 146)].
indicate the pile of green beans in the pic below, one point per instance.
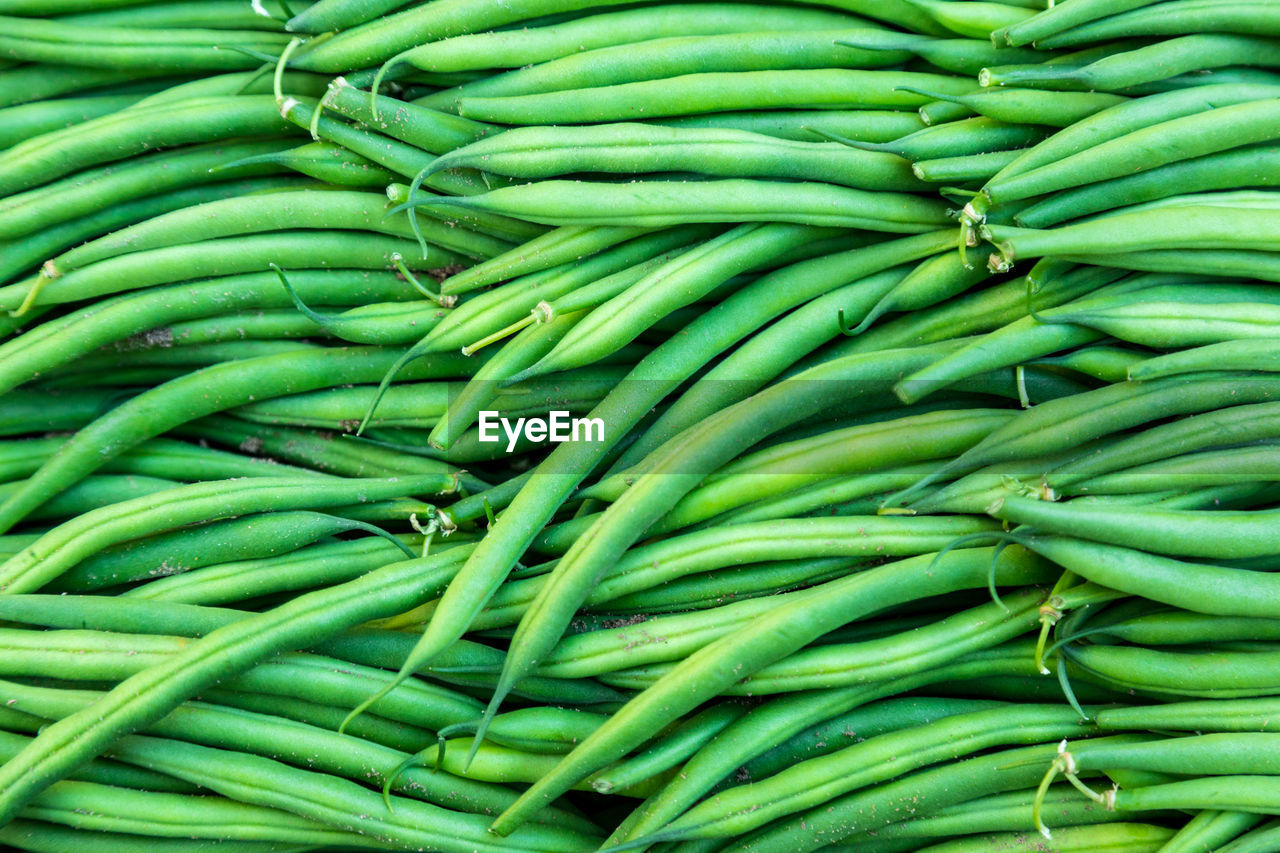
[(570, 425)]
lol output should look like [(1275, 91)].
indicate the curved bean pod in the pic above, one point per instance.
[(539, 152), (1186, 16), (113, 137), (204, 392), (228, 256), (713, 92), (1183, 137), (149, 695), (862, 125), (661, 371), (665, 58), (662, 203), (382, 39), (1152, 63), (533, 45), (769, 638), (818, 780)]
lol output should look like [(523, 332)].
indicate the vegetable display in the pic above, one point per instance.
[(570, 425)]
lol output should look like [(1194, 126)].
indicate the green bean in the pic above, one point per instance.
[(203, 392), (855, 726), (89, 806), (43, 837), (531, 343), (662, 203), (92, 493), (767, 639), (1117, 837), (1098, 413), (980, 311), (1233, 674), (713, 548), (975, 20), (431, 130), (180, 359), (970, 167), (494, 312), (28, 83), (154, 458), (26, 411), (389, 153), (501, 764), (380, 40), (115, 136), (773, 722), (761, 358), (1209, 829), (102, 771), (59, 31), (226, 256), (818, 780), (713, 92), (1251, 166), (1158, 61), (941, 112), (259, 325), (662, 370), (670, 751), (536, 152), (69, 543), (296, 743), (22, 254), (1219, 263), (327, 162), (1231, 715), (967, 136), (1219, 535), (28, 120), (1009, 812), (425, 404), (840, 665), (331, 800), (306, 568), (1186, 16), (1029, 106), (860, 125), (190, 548), (150, 694), (1192, 470), (672, 285), (338, 209), (218, 15), (155, 57), (780, 469), (666, 58), (1162, 323), (337, 14), (317, 451), (1171, 140), (1255, 840), (529, 46), (1056, 20), (551, 249), (859, 494), (234, 83), (888, 803), (1021, 339), (957, 55)]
